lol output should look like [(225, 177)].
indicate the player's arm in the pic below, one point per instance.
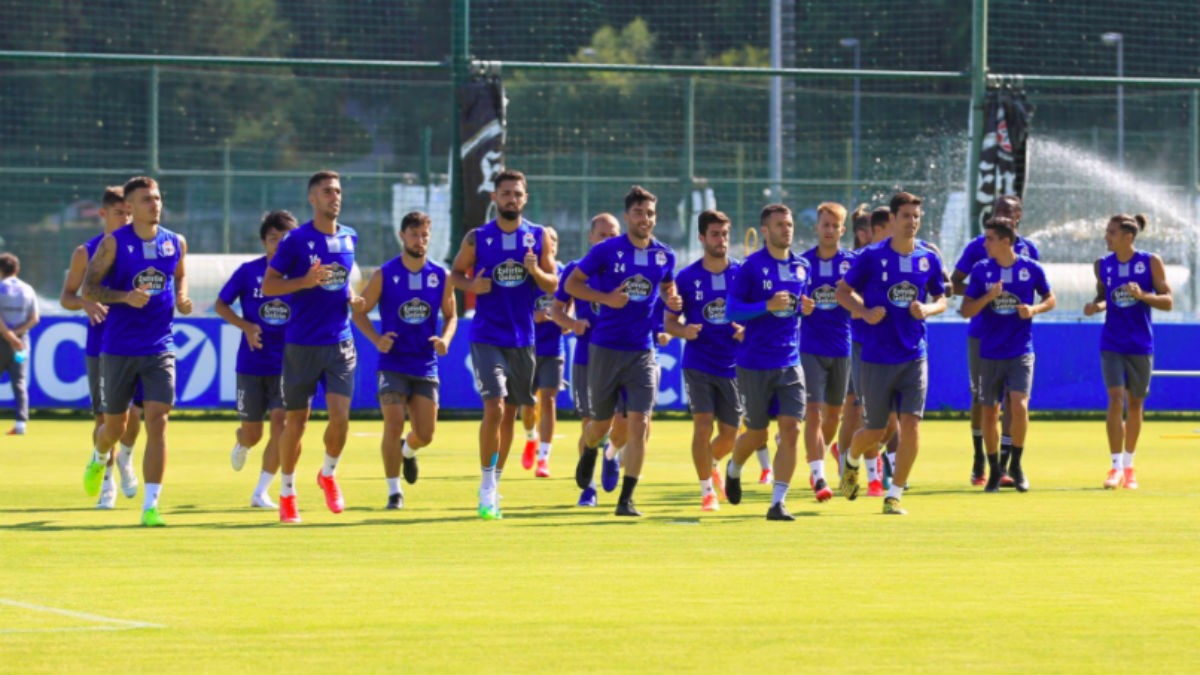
[(560, 314), (94, 289), (577, 287), (275, 283), (958, 281), (850, 299), (671, 298), (70, 297), (464, 263), (543, 271), (441, 344), (1100, 303), (1048, 303), (972, 305), (224, 309), (1161, 297), (924, 310), (182, 302), (358, 315)]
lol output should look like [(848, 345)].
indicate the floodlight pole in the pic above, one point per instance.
[(978, 75), (857, 46), (1118, 40), (459, 75), (775, 130)]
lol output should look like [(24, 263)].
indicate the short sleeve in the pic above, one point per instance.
[(669, 275), (975, 287), (1041, 284), (856, 276), (560, 293), (593, 262), (282, 260), (742, 282), (937, 281), (969, 257), (232, 288)]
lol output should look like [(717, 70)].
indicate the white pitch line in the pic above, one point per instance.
[(117, 624)]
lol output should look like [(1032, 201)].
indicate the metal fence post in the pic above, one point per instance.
[(459, 62), (978, 90), (226, 196), (152, 124)]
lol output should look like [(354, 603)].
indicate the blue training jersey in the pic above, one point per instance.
[(772, 339), (321, 315), (826, 332), (504, 315), (95, 332), (583, 310), (271, 314), (885, 278), (141, 331), (714, 351), (410, 305), (616, 262), (976, 251), (1127, 328), (547, 335), (1005, 334)]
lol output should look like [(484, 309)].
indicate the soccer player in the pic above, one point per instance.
[(769, 294), (312, 264), (409, 289), (628, 275), (138, 271), (114, 214), (825, 341), (895, 285), (1002, 290), (539, 420), (1009, 207), (260, 355), (1129, 283), (18, 315), (852, 408), (508, 259), (709, 353), (603, 226)]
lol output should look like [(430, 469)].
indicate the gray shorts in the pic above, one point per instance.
[(503, 372), (1131, 371), (548, 372), (121, 375), (713, 395), (257, 396), (826, 378), (611, 370), (579, 390), (997, 376), (392, 382), (973, 366), (855, 386), (759, 387), (894, 387), (304, 366)]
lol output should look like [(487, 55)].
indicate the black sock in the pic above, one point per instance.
[(993, 463), (1005, 453), (978, 441), (627, 486), (1014, 460)]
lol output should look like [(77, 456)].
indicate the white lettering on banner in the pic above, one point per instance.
[(666, 396), (44, 371), (204, 367), (231, 339)]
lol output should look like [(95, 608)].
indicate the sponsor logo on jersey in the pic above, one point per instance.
[(509, 273), (338, 276), (153, 279), (902, 294), (790, 310), (825, 297), (638, 287), (1005, 303), (275, 312), (1121, 297), (544, 302), (415, 311), (714, 312)]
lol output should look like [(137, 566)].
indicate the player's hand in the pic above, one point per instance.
[(14, 341), (358, 304), (617, 298), (663, 339), (580, 326), (674, 302), (531, 260), (439, 345), (874, 315), (995, 290), (918, 311), (780, 302), (385, 342), (184, 304), (692, 331), (541, 316), (739, 332), (138, 297), (1090, 309), (253, 333), (96, 312), (317, 274), (482, 283), (807, 305), (1135, 290), (1025, 311)]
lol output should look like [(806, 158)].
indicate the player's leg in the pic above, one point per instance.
[(638, 375), (875, 389), (1137, 376), (157, 376), (728, 412), (18, 376), (1018, 409), (977, 442), (252, 409), (789, 391), (910, 384), (393, 406), (529, 420), (702, 457), (118, 375), (547, 419), (989, 421), (603, 393), (247, 435), (757, 390), (270, 460), (108, 489), (423, 412)]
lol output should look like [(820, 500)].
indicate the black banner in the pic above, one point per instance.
[(1005, 150), (481, 128)]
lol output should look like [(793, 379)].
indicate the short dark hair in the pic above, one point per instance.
[(1011, 204), (136, 183), (903, 199), (9, 264), (509, 174), (710, 217), (113, 195), (280, 220), (414, 219), (880, 217), (1132, 224), (322, 176), (861, 218), (638, 195), (770, 210), (1005, 228)]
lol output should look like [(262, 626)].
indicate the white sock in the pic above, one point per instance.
[(264, 482), (330, 465), (734, 469), (817, 469), (394, 486), (126, 452), (97, 457), (287, 485), (498, 471), (851, 461), (488, 482), (543, 450), (150, 499), (19, 426), (780, 490), (613, 452), (1117, 460), (1006, 440), (108, 473), (706, 487), (872, 469), (592, 484), (406, 450), (764, 458), (531, 435), (1127, 459), (890, 458), (110, 481), (896, 491)]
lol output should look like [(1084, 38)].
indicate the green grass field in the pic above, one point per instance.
[(1066, 578)]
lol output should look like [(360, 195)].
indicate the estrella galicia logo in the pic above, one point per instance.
[(338, 276), (274, 313), (1006, 303), (1121, 297), (152, 279), (825, 297), (790, 310), (509, 273), (638, 287), (544, 302), (595, 308), (902, 294), (415, 311), (714, 312)]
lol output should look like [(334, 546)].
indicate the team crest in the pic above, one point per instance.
[(528, 240), (660, 258), (1023, 275), (844, 267), (433, 280), (923, 264), (168, 248), (1139, 267)]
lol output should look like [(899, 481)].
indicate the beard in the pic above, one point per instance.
[(510, 215), (413, 253)]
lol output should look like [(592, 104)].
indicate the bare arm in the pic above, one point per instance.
[(252, 330), (370, 298), (1048, 303), (275, 284), (70, 298), (1161, 298), (182, 302), (544, 273), (94, 289), (922, 311), (1100, 303), (464, 262), (849, 299), (958, 281), (449, 322), (577, 287)]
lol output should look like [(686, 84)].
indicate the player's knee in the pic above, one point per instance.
[(251, 435)]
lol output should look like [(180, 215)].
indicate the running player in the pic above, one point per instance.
[(539, 420), (603, 226), (1129, 283), (825, 339), (138, 271), (769, 294), (312, 264), (710, 352), (852, 408), (260, 355), (901, 285), (1002, 290), (1007, 206), (114, 214), (408, 289), (507, 259), (629, 274)]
